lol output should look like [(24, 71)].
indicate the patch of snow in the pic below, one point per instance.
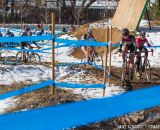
[(7, 103)]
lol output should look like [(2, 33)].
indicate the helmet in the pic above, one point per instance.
[(125, 32), (142, 33), (38, 25)]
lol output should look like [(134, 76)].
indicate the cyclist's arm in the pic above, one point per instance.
[(148, 44), (120, 46), (36, 45)]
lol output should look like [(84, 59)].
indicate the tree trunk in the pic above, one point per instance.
[(12, 10)]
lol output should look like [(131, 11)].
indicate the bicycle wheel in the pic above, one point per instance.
[(138, 68), (34, 57), (98, 59), (20, 57), (123, 75), (147, 70)]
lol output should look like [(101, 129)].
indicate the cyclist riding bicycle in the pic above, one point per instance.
[(90, 38), (140, 42), (9, 34), (28, 44), (24, 30), (84, 48), (127, 44), (39, 29)]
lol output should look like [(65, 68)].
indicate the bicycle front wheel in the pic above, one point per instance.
[(123, 75), (35, 58), (98, 59), (147, 70)]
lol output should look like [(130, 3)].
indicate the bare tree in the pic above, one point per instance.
[(80, 12), (5, 10)]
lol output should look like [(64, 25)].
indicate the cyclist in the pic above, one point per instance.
[(40, 29), (9, 34), (64, 30), (140, 42), (25, 29), (84, 48), (127, 44), (92, 49), (28, 44), (72, 28)]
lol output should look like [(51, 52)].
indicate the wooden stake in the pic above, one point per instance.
[(88, 58), (110, 51), (53, 57), (105, 65)]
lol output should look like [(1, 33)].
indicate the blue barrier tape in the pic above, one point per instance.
[(26, 38), (25, 50), (26, 89), (47, 83), (81, 42), (101, 68), (81, 113), (71, 64), (71, 85)]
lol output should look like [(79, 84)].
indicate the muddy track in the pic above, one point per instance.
[(136, 83)]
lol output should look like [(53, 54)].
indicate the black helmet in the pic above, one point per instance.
[(125, 32), (142, 33)]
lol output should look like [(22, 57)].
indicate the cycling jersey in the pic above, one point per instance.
[(140, 42), (129, 42)]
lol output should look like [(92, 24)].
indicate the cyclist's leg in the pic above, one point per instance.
[(132, 49), (124, 51), (84, 50), (131, 61), (92, 54)]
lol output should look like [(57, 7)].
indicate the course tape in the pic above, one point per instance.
[(71, 64), (101, 68), (26, 38), (26, 89), (71, 85), (47, 83), (25, 50), (81, 113), (79, 43)]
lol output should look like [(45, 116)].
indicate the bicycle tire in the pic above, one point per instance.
[(123, 74), (147, 69), (140, 69), (35, 58), (19, 57), (98, 59)]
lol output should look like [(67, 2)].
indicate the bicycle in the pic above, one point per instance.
[(126, 75), (26, 57), (143, 66), (94, 57)]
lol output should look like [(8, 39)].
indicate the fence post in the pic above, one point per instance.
[(53, 57), (110, 56), (105, 65)]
